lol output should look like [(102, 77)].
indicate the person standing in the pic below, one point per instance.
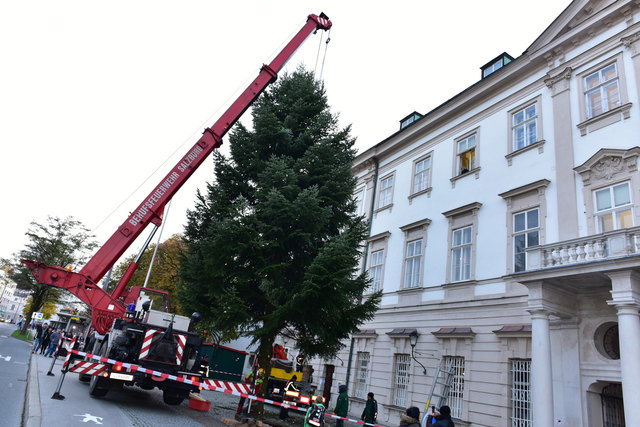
[(55, 337), (342, 404), (443, 417), (46, 338), (289, 386), (411, 418), (370, 413), (38, 338), (315, 414)]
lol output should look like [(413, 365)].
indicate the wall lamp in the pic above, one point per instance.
[(413, 340)]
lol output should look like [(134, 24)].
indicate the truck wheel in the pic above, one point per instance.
[(99, 386), (171, 398)]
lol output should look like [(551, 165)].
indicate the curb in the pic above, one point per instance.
[(33, 412)]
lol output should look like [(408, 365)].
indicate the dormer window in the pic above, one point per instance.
[(411, 118), (495, 64)]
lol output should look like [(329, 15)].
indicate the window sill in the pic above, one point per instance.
[(426, 191), (389, 206), (461, 283), (412, 289), (605, 119), (539, 145), (394, 407), (474, 171)]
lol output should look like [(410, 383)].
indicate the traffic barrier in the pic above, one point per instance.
[(213, 385)]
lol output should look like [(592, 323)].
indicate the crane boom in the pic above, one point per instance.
[(83, 284)]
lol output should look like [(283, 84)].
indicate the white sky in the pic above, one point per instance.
[(95, 96)]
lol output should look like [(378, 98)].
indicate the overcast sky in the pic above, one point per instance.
[(96, 97)]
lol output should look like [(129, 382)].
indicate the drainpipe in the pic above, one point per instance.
[(366, 253)]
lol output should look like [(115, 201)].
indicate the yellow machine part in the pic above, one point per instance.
[(284, 375)]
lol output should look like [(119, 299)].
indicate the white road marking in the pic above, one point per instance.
[(89, 417), (6, 358)]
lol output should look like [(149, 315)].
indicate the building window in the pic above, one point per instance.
[(461, 254), (386, 192), (602, 92), (376, 270), (362, 374), (455, 365), (521, 415), (466, 154), (422, 175), (359, 201), (526, 234), (613, 207), (524, 126), (402, 363), (412, 264)]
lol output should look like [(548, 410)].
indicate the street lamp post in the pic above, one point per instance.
[(413, 340)]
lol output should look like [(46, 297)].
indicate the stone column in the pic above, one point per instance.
[(564, 157), (625, 286), (541, 375)]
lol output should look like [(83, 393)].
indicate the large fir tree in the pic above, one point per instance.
[(273, 246)]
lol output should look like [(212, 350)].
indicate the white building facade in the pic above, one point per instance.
[(505, 234), (12, 300)]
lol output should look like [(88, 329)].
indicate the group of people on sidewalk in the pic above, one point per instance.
[(46, 339)]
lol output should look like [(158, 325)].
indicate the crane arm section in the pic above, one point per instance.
[(83, 284)]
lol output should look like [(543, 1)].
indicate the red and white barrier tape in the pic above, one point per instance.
[(206, 386)]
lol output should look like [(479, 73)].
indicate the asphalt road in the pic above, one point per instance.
[(14, 366), (131, 406)]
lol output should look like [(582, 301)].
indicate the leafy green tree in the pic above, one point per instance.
[(165, 273), (62, 242), (273, 245)]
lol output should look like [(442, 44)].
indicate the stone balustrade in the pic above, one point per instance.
[(609, 245)]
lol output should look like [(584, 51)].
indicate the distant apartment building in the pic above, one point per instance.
[(505, 236), (12, 300)]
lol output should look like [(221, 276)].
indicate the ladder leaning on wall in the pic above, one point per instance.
[(442, 382)]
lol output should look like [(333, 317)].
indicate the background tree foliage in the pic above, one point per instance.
[(165, 273), (273, 246), (62, 242)]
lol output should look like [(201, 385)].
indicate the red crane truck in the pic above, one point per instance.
[(134, 324)]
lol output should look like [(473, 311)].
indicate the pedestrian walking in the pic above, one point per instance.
[(54, 338), (370, 413), (411, 418), (342, 404)]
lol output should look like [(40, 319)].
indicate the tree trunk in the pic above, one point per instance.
[(264, 360)]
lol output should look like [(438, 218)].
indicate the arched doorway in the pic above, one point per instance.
[(612, 406)]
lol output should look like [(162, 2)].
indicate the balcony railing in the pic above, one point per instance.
[(599, 247)]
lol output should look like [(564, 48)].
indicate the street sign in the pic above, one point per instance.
[(36, 315)]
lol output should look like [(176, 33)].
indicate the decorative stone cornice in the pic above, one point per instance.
[(631, 43), (560, 82), (607, 163), (539, 185), (470, 208)]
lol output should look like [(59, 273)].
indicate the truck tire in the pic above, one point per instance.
[(170, 397), (99, 386)]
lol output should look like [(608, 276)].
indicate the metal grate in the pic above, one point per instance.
[(362, 374), (455, 364), (401, 379), (612, 406), (521, 393)]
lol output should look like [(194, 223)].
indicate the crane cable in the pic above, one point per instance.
[(326, 47)]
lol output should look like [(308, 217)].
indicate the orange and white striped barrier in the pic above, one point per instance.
[(235, 389)]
